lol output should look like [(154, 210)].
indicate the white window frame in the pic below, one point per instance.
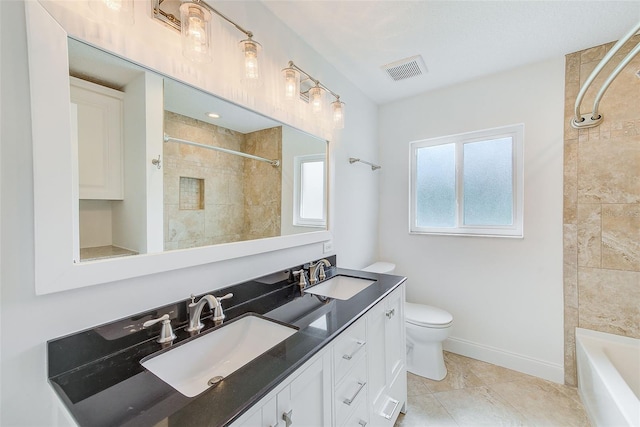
[(516, 132), (298, 220)]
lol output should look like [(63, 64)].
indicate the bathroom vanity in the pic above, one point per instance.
[(343, 365)]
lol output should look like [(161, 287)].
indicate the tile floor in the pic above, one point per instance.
[(476, 393)]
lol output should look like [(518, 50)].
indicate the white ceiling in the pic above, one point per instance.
[(458, 40)]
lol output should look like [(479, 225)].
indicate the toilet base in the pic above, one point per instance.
[(426, 360)]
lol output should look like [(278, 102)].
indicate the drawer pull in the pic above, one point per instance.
[(350, 401), (390, 313), (395, 406), (360, 347), (286, 416)]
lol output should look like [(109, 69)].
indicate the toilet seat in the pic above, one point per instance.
[(427, 316)]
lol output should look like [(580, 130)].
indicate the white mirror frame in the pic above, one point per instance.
[(55, 204)]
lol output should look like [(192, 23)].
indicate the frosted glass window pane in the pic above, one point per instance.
[(436, 186), (312, 190), (488, 182)]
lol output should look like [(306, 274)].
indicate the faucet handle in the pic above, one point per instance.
[(166, 333), (303, 283), (218, 314)]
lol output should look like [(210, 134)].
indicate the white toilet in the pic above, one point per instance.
[(427, 327)]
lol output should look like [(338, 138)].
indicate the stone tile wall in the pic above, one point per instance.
[(602, 203), (227, 193)]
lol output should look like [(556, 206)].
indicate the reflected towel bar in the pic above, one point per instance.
[(373, 167), (274, 163), (593, 119)]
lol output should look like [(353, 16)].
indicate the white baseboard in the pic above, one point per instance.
[(517, 362)]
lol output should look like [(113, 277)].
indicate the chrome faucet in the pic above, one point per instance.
[(316, 271), (195, 310), (166, 333)]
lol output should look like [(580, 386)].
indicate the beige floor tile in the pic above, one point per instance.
[(425, 411), (544, 403), (491, 374), (416, 385), (459, 375), (479, 406)]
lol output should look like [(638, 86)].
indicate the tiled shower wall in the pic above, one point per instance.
[(222, 216), (602, 203)]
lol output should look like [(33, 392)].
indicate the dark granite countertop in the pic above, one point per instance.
[(98, 375)]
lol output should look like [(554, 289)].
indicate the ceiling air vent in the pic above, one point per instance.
[(405, 68)]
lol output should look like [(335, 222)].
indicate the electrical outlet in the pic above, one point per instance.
[(327, 246)]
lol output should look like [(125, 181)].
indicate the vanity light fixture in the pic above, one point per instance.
[(314, 95), (196, 33)]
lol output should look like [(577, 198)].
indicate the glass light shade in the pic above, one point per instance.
[(337, 112), (250, 50), (316, 99), (291, 83), (114, 11), (195, 25)]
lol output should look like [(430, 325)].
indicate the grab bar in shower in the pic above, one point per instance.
[(274, 163), (580, 121)]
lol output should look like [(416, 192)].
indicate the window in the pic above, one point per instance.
[(309, 188), (468, 184)]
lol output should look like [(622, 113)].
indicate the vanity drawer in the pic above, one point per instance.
[(351, 392), (360, 416), (348, 348)]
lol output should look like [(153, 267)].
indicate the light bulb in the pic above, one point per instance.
[(338, 113), (291, 84), (195, 32), (250, 48), (316, 99)]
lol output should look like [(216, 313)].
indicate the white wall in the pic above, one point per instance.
[(28, 321), (505, 294)]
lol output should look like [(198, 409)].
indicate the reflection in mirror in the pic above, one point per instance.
[(120, 112)]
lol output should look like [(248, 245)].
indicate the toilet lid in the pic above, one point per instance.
[(426, 315)]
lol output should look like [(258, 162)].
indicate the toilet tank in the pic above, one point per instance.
[(381, 267)]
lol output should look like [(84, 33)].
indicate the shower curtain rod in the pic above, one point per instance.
[(593, 119), (274, 163)]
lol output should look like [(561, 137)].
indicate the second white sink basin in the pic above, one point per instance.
[(340, 287), (189, 367)]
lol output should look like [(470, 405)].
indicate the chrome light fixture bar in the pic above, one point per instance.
[(315, 94), (196, 33)]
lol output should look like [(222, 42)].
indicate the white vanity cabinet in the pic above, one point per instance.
[(359, 380), (99, 127), (387, 359)]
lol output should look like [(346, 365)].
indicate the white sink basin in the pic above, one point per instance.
[(189, 367), (340, 287)]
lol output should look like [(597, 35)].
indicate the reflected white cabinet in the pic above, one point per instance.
[(387, 359), (100, 140)]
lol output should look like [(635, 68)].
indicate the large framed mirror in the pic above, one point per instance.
[(137, 173)]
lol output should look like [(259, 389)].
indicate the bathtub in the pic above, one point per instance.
[(609, 378)]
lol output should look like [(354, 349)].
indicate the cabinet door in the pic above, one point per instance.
[(99, 130), (307, 399), (387, 352), (394, 335)]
